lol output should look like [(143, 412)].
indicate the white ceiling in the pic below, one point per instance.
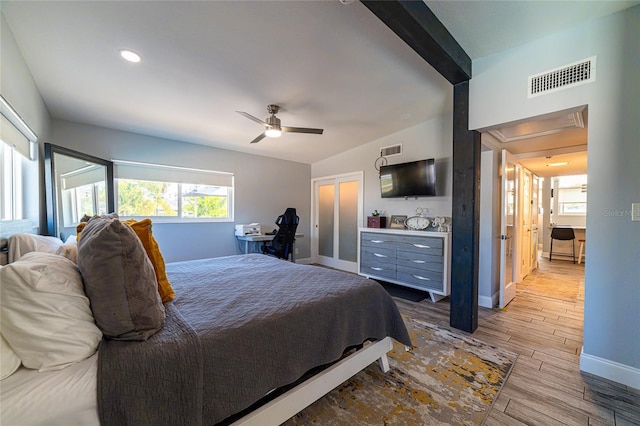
[(327, 64)]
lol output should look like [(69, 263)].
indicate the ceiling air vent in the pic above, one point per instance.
[(388, 151), (563, 77)]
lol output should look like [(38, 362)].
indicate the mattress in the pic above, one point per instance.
[(63, 397)]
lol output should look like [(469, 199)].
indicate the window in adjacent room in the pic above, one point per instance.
[(570, 195), (173, 193)]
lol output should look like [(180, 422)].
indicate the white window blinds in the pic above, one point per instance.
[(14, 138), (175, 174), (14, 131), (85, 176)]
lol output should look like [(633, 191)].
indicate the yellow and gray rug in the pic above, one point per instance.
[(448, 378)]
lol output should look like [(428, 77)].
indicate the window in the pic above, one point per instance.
[(10, 183), (173, 193), (15, 150), (571, 195), (82, 191)]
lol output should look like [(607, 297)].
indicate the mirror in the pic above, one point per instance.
[(77, 184)]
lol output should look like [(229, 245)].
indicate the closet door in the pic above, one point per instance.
[(338, 206)]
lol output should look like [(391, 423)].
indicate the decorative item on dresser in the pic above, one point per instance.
[(376, 221), (416, 259), (397, 221)]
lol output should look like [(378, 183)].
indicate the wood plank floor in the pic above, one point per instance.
[(543, 324)]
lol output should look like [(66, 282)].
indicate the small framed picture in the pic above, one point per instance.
[(397, 221)]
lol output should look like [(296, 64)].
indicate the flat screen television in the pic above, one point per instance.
[(413, 179)]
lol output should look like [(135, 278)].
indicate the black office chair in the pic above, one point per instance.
[(564, 234), (282, 243)]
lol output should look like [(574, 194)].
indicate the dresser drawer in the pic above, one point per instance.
[(377, 254), (426, 279), (432, 246), (382, 270), (372, 239), (420, 261)]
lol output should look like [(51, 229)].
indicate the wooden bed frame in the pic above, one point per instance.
[(297, 399)]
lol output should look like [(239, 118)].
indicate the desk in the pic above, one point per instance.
[(254, 239)]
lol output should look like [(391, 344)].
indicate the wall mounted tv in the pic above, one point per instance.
[(413, 179)]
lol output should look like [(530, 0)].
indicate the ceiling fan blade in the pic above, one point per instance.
[(259, 138), (302, 130), (251, 117)]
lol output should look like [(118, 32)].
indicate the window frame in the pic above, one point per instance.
[(190, 175), (11, 185), (558, 205)]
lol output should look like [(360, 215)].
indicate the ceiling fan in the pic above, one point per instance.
[(273, 129)]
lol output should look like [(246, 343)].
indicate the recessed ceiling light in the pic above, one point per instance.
[(130, 56), (563, 163)]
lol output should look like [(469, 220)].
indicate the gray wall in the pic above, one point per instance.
[(264, 187), (430, 139), (498, 95), (19, 89)]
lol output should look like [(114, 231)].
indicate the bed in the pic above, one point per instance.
[(239, 333)]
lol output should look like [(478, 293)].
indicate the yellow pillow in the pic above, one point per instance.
[(79, 229), (142, 229)]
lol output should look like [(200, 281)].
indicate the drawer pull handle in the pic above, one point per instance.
[(419, 261), (421, 246), (377, 241), (377, 269), (379, 255), (421, 278)]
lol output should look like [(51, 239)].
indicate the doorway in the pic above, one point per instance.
[(337, 213), (542, 151)]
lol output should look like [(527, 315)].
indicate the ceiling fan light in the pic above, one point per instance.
[(273, 132), (129, 55)]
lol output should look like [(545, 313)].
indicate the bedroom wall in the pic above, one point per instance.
[(19, 89), (498, 95), (430, 139), (264, 186)]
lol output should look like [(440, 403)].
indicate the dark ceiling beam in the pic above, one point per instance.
[(414, 23)]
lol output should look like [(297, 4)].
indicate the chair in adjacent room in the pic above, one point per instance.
[(283, 242), (563, 234)]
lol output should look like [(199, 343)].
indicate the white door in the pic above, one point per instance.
[(535, 221), (509, 228), (527, 234), (337, 215)]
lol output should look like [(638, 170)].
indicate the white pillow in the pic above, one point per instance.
[(46, 317), (9, 361), (70, 251), (21, 244)]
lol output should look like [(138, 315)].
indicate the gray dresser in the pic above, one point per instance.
[(416, 259)]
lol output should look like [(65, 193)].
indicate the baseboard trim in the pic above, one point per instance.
[(488, 301), (610, 370)]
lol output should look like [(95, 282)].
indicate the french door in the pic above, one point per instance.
[(337, 214), (509, 229)]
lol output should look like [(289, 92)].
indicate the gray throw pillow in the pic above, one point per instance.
[(119, 280)]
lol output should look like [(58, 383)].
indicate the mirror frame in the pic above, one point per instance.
[(50, 182)]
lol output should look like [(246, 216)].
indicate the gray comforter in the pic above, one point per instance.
[(239, 327)]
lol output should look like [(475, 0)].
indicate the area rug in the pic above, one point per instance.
[(447, 378)]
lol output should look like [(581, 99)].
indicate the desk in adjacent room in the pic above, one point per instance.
[(254, 240)]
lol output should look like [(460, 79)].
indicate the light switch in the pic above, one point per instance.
[(635, 212)]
